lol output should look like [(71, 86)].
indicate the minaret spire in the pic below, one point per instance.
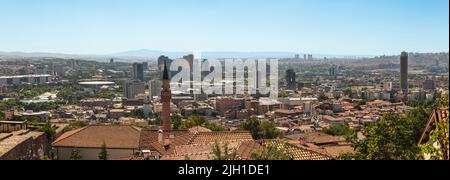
[(166, 98)]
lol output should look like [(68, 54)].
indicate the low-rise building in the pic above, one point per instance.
[(120, 141)]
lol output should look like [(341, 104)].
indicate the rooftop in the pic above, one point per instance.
[(10, 140), (115, 137)]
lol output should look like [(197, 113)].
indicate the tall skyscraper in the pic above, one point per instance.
[(291, 79), (132, 88), (166, 98), (190, 59), (333, 70), (145, 64), (404, 73), (155, 88), (138, 71)]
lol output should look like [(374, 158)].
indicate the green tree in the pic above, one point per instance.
[(260, 129), (338, 130), (393, 138), (47, 158), (176, 120), (194, 121), (103, 155), (49, 131), (274, 151), (269, 131), (75, 155), (224, 152), (2, 115), (253, 125), (138, 113), (215, 127), (438, 146)]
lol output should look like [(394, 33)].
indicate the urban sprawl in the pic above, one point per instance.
[(327, 109)]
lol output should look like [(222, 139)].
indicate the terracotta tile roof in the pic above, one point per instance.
[(198, 129), (148, 138), (115, 137), (247, 148), (173, 143), (212, 137), (68, 134), (197, 151), (301, 153), (335, 151), (319, 138)]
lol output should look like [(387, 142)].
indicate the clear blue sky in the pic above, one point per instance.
[(352, 27)]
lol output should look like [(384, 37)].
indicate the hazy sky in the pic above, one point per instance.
[(352, 27)]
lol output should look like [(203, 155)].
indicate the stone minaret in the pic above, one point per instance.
[(166, 98)]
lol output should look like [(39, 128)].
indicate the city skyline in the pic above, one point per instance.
[(347, 27)]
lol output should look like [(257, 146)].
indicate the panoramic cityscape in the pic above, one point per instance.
[(78, 90)]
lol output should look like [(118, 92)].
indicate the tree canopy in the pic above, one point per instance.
[(260, 129), (223, 152), (274, 151), (200, 121)]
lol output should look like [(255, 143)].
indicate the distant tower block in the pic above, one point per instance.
[(404, 73)]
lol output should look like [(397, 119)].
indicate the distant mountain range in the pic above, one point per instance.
[(145, 54)]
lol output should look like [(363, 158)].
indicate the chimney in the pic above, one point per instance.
[(160, 136)]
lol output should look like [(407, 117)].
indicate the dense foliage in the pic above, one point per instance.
[(194, 121), (274, 151), (224, 152), (260, 129), (395, 137)]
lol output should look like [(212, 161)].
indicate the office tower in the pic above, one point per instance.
[(166, 98), (291, 79), (310, 57), (59, 70), (404, 73), (145, 64), (132, 88), (297, 56), (305, 57), (111, 61), (190, 59), (138, 71), (332, 71), (161, 62), (155, 88)]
